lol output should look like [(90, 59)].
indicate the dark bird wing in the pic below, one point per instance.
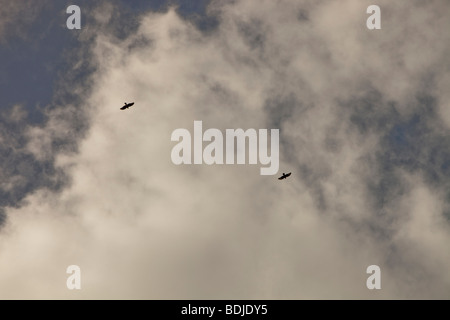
[(284, 176), (127, 105)]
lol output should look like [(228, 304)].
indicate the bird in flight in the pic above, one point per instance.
[(126, 105), (284, 176)]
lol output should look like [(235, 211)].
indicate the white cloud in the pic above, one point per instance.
[(141, 227)]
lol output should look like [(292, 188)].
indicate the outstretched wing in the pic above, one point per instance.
[(127, 105), (284, 176)]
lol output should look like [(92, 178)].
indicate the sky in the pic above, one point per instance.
[(364, 126)]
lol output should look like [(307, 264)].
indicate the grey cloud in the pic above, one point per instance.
[(17, 16), (367, 149)]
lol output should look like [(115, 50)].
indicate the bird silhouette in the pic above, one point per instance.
[(126, 105), (284, 176)]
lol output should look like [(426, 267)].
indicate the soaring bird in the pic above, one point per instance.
[(284, 176), (126, 105)]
